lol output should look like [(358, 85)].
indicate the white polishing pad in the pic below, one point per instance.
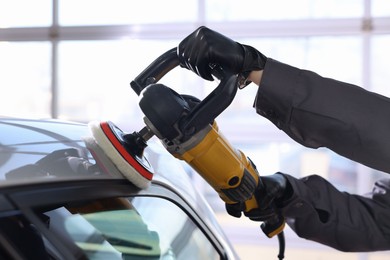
[(136, 170)]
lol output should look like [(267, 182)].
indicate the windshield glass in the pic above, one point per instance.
[(140, 228), (31, 150)]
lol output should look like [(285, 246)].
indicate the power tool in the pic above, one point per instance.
[(187, 128)]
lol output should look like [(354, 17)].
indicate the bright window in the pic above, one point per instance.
[(380, 64), (103, 12), (221, 10), (25, 13), (305, 53), (95, 76), (380, 8), (25, 79)]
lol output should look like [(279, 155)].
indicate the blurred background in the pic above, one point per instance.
[(74, 60)]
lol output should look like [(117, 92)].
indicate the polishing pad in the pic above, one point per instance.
[(110, 139)]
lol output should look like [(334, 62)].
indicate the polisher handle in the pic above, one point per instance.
[(209, 108), (214, 104), (156, 70)]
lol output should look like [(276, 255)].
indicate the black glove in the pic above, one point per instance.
[(270, 194), (204, 47)]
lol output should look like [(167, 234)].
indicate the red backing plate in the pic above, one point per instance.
[(128, 157)]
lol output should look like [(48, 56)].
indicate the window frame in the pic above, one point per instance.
[(27, 199)]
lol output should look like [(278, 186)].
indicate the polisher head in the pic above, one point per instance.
[(132, 164)]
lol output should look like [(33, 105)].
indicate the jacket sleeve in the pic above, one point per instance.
[(352, 223), (322, 112)]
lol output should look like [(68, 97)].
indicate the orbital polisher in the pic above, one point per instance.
[(187, 128)]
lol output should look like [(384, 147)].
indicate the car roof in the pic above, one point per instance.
[(26, 143), (23, 142)]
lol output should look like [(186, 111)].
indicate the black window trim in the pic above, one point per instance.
[(28, 197)]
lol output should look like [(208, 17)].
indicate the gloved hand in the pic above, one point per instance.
[(205, 46), (270, 194)]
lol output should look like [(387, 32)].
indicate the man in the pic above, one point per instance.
[(315, 112)]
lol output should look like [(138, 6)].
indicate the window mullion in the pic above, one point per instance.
[(54, 60)]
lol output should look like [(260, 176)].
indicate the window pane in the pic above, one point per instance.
[(225, 10), (144, 227), (380, 7), (25, 79), (380, 64), (25, 146), (296, 160), (95, 76), (313, 53), (92, 12), (25, 13)]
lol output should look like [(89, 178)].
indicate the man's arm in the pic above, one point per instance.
[(317, 211), (322, 112)]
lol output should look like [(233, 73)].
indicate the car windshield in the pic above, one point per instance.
[(36, 150), (140, 228)]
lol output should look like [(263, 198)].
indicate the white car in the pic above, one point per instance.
[(63, 200)]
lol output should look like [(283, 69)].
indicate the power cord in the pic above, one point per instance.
[(282, 245)]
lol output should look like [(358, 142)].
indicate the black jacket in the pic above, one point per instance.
[(351, 121)]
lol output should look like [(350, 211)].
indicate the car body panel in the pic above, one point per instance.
[(36, 194)]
